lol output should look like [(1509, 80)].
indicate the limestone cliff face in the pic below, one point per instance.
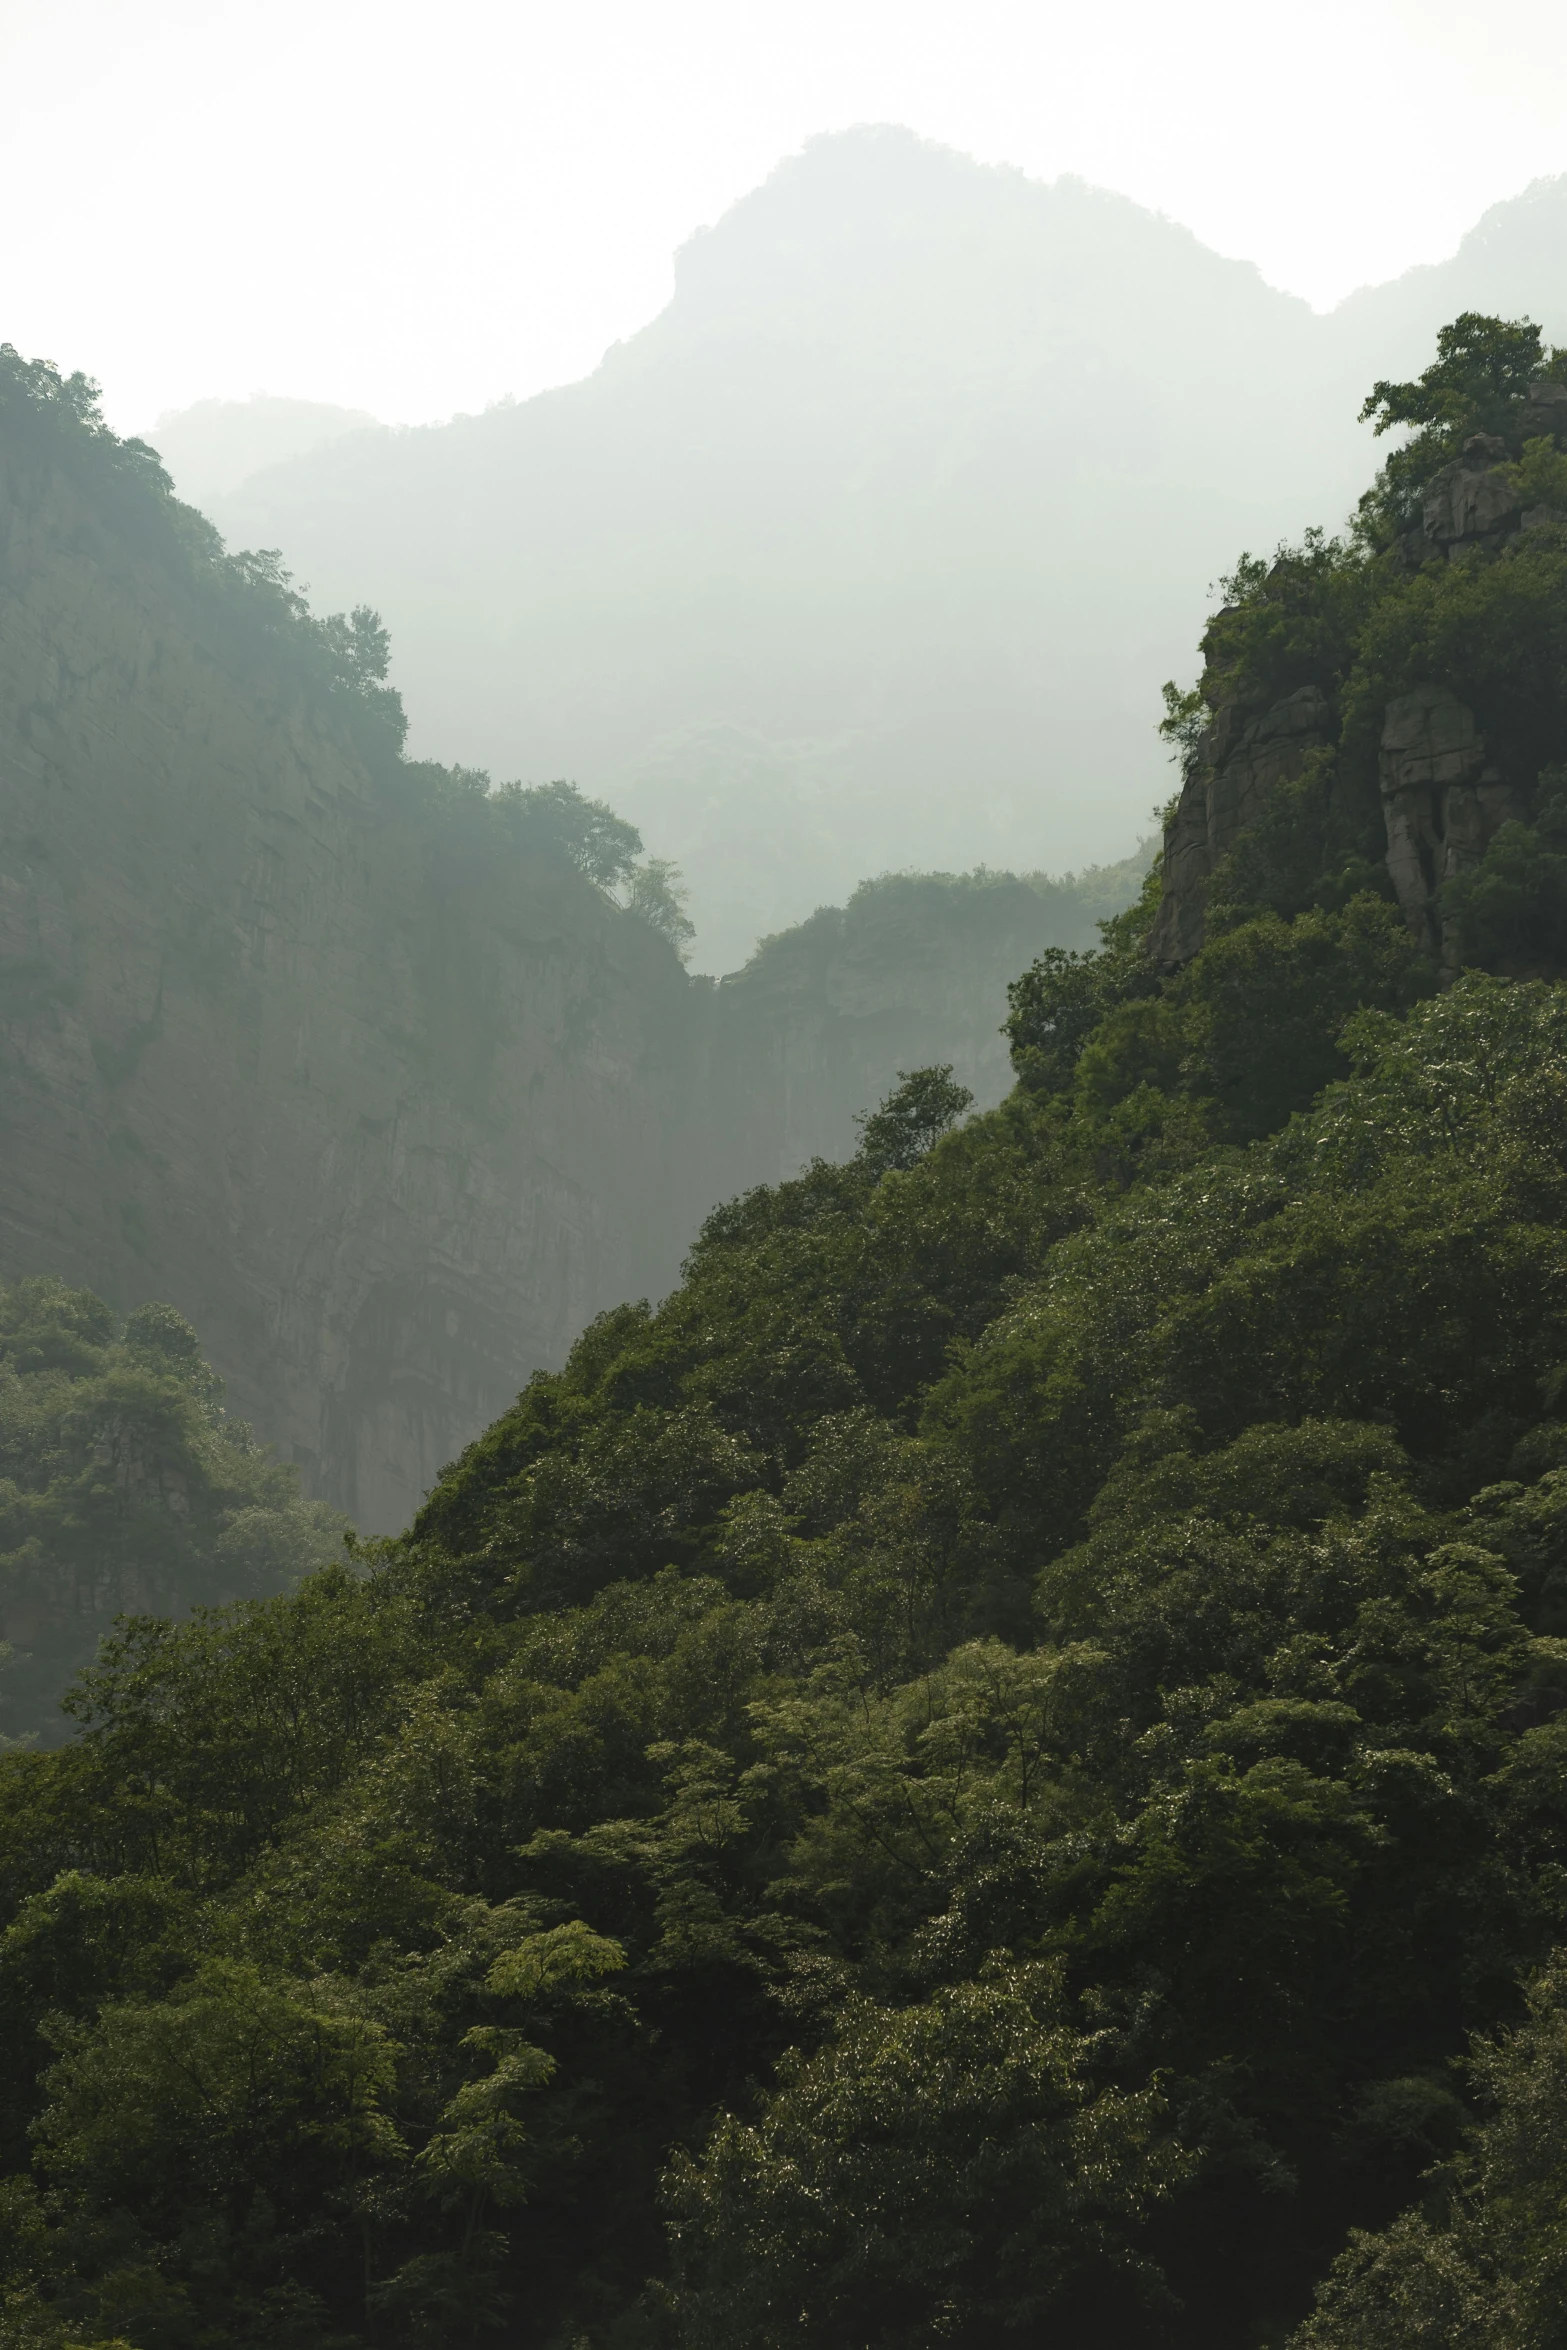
[(1443, 801), (1242, 758), (386, 1122), (387, 1111), (913, 970)]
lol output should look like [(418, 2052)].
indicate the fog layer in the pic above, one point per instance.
[(871, 550)]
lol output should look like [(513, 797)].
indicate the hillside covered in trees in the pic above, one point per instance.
[(992, 1769)]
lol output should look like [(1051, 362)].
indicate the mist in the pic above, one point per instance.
[(872, 550)]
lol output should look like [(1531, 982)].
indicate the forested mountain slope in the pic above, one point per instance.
[(973, 1776), (873, 548), (387, 1082)]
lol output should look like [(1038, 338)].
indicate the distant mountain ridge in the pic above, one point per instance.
[(215, 446), (869, 551)]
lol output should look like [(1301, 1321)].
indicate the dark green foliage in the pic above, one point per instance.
[(1489, 630), (123, 1487), (1292, 622), (924, 1106), (1060, 1000), (1513, 907), (1247, 1033), (1124, 1941), (1484, 2266), (946, 2171), (973, 1774), (1364, 620), (1477, 383)]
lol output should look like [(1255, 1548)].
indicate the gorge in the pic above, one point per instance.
[(389, 1103)]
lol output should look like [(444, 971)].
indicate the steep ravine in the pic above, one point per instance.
[(389, 1116), (387, 1126)]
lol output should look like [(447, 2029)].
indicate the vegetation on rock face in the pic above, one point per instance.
[(124, 1488), (338, 663), (992, 1769)]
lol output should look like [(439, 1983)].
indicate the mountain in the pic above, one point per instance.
[(1512, 264), (872, 550), (371, 1077), (214, 446), (992, 1770)]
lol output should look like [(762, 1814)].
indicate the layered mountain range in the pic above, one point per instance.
[(872, 549), (387, 1100)]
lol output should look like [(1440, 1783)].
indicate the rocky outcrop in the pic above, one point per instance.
[(1471, 503), (1442, 801), (1475, 502), (1240, 760), (1442, 798)]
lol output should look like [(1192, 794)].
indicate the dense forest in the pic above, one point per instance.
[(994, 1767)]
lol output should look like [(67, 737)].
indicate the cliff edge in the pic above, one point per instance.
[(387, 1114)]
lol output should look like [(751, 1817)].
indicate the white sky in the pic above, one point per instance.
[(419, 208)]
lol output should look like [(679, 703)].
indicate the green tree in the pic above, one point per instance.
[(946, 2171)]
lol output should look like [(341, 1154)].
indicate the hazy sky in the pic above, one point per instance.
[(418, 208)]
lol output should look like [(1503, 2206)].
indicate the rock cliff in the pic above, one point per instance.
[(913, 970), (386, 1109), (1443, 796), (387, 1119), (1242, 758)]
